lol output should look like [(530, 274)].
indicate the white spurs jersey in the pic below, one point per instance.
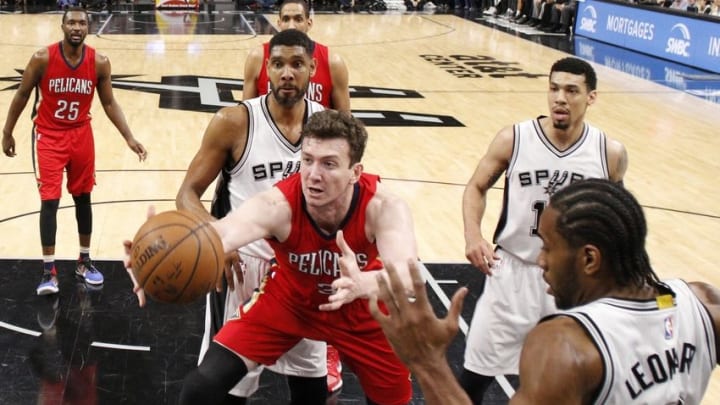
[(653, 352), (536, 170), (268, 158)]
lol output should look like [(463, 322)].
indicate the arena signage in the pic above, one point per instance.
[(687, 40)]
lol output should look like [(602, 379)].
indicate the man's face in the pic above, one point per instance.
[(75, 27), (568, 99), (325, 170), (292, 16), (289, 69), (559, 262)]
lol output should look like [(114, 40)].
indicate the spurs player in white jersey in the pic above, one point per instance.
[(251, 147), (538, 157), (621, 336), (654, 351)]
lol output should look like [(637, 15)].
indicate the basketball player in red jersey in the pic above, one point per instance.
[(328, 226), (67, 75), (329, 85)]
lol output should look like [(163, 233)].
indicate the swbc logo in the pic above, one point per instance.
[(588, 20), (679, 46)]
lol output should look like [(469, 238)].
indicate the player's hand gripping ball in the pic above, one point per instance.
[(177, 257)]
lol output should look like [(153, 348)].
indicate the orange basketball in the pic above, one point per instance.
[(177, 257)]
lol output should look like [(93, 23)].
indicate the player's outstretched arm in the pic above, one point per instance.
[(418, 337)]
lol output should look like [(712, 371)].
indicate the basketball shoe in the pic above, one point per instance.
[(334, 368), (89, 272), (48, 283)]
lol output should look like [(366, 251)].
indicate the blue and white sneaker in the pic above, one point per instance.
[(48, 285), (89, 273)]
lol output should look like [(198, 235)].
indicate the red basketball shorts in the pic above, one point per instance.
[(269, 325), (71, 150)]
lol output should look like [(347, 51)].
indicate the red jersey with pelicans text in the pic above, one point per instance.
[(66, 91), (320, 87), (308, 259)]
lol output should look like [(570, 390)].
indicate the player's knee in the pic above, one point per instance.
[(219, 371), (307, 390)]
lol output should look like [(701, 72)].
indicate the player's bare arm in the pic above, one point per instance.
[(30, 78), (710, 297), (251, 72), (112, 109), (223, 142), (617, 160), (340, 82), (266, 214), (558, 365), (492, 165), (420, 338), (390, 224)]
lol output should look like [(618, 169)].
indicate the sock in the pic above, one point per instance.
[(84, 253), (49, 264)]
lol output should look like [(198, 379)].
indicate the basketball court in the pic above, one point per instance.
[(433, 89)]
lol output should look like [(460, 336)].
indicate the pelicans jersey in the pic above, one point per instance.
[(66, 92), (536, 170), (308, 258), (320, 87), (268, 158), (653, 352), (285, 309)]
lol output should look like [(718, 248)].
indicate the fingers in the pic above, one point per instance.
[(375, 311), (396, 288), (150, 211), (456, 307), (127, 245), (344, 248)]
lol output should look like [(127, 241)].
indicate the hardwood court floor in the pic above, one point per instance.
[(433, 88)]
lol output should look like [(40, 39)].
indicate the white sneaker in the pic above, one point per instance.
[(490, 11)]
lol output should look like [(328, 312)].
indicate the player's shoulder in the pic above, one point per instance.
[(565, 337), (232, 115)]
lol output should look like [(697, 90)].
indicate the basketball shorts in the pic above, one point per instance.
[(515, 298), (271, 323), (306, 359), (56, 151)]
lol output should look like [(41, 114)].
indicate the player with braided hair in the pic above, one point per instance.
[(621, 336)]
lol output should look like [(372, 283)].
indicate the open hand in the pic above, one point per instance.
[(417, 336), (349, 286)]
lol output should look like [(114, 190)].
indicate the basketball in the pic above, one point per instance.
[(177, 257)]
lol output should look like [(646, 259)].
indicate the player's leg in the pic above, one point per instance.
[(210, 382), (50, 156), (258, 333), (81, 180), (306, 367), (221, 306), (363, 346), (512, 303)]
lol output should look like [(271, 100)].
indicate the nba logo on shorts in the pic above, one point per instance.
[(668, 328)]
